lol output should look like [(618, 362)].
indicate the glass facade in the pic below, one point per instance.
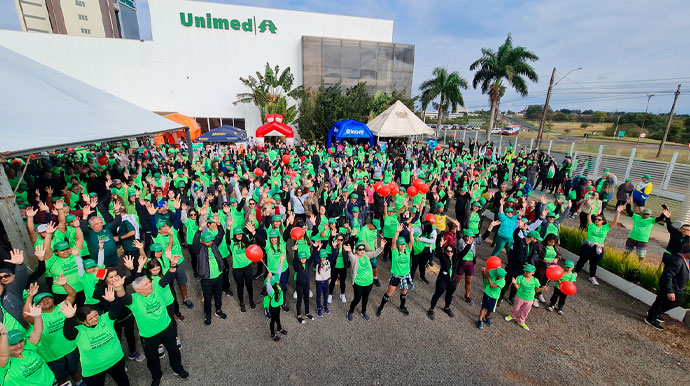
[(208, 124), (383, 66)]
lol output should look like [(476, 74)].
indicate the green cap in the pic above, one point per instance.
[(510, 199), (42, 296), (323, 253), (93, 194), (332, 220), (529, 268), (14, 337), (508, 210), (302, 255), (156, 247), (206, 237), (88, 263), (647, 211), (276, 217), (401, 240), (180, 171), (468, 233), (551, 214), (274, 233), (646, 176), (132, 192), (439, 205), (628, 180), (534, 235), (61, 246), (359, 243), (523, 178), (276, 196), (377, 223), (161, 224), (233, 200), (355, 209), (238, 231), (354, 195), (311, 189), (569, 264), (477, 203), (179, 184), (70, 217), (498, 272), (413, 209), (342, 230)]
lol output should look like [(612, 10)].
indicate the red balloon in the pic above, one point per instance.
[(32, 156), (493, 262), (568, 288), (254, 253), (412, 191), (102, 160), (297, 233), (366, 146), (416, 182), (301, 159), (438, 147), (394, 189), (385, 190), (423, 188), (286, 159), (430, 218), (330, 150), (258, 172), (554, 272), (475, 173), (453, 135), (378, 186)]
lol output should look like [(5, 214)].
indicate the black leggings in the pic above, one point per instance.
[(509, 288), (275, 319), (361, 293), (337, 273), (244, 278), (443, 284), (193, 255), (212, 290), (420, 261), (387, 254), (117, 372), (557, 296), (226, 274), (127, 324), (302, 295), (589, 253)]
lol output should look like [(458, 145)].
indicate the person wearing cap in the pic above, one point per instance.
[(303, 266), (241, 265), (547, 254), (60, 354), (590, 205), (210, 265), (422, 249), (672, 284), (400, 270), (390, 225), (467, 256), (592, 248), (100, 351), (520, 254), (275, 253), (368, 234), (494, 281), (504, 237), (526, 285), (20, 364), (97, 229), (643, 223), (559, 296), (322, 278), (272, 301), (362, 276), (63, 262), (339, 267), (189, 217), (624, 192), (642, 191), (445, 281)]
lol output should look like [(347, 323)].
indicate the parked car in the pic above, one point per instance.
[(496, 130), (432, 125), (445, 127)]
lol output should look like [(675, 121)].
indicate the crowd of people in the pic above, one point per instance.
[(119, 232)]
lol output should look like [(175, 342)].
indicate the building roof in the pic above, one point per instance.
[(43, 109)]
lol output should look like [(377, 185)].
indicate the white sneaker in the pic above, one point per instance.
[(330, 299), (342, 298), (294, 295), (594, 280), (541, 298), (311, 294), (535, 304)]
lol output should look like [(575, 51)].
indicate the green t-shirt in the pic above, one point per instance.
[(527, 288), (390, 226), (469, 256), (400, 265), (273, 256), (150, 312), (191, 227), (641, 228), (596, 234), (550, 253), (473, 223), (567, 277), (239, 255), (99, 346), (166, 294), (176, 247), (89, 282), (53, 344), (339, 261), (128, 243), (31, 370), (494, 293), (67, 266), (365, 275), (405, 177), (214, 270)]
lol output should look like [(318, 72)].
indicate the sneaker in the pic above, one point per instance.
[(541, 298), (430, 314), (311, 294), (252, 306), (326, 310), (524, 326), (294, 295), (511, 302), (480, 324), (208, 321), (182, 374), (431, 263), (365, 316), (379, 311), (342, 298), (136, 356), (424, 280), (488, 322), (559, 312), (285, 308), (449, 312), (242, 308), (267, 314), (276, 338), (376, 282), (283, 331), (258, 275), (508, 318), (179, 317), (309, 316), (549, 308), (161, 352), (469, 301), (188, 303), (349, 317), (594, 280), (156, 382), (319, 312), (228, 292), (330, 299), (535, 304), (404, 311), (178, 342), (300, 320), (221, 314)]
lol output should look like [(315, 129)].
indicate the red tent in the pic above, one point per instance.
[(275, 126)]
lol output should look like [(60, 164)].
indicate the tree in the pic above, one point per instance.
[(270, 91), (509, 63), (599, 116), (534, 112), (561, 117), (446, 87)]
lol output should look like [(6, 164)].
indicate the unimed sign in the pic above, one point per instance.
[(209, 22)]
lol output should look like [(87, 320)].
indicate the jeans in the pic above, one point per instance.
[(361, 293), (589, 253), (117, 372), (244, 278), (212, 288), (443, 284), (340, 274), (302, 295), (321, 293), (284, 279), (153, 362)]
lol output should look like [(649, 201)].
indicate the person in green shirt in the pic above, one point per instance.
[(362, 276), (272, 301), (526, 285), (63, 262), (241, 265), (211, 265), (20, 364), (592, 249), (275, 253), (494, 281), (400, 270), (638, 239), (559, 296), (368, 234)]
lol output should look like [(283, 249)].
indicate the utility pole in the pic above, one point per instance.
[(546, 108), (668, 124)]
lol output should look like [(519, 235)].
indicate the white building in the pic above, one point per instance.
[(199, 50)]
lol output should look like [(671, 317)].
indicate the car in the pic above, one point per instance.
[(511, 130), (432, 125), (445, 127), (496, 130)]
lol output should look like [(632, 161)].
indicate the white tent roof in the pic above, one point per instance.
[(43, 109), (398, 121)]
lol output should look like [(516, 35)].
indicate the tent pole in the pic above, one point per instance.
[(13, 222), (21, 178), (188, 134)]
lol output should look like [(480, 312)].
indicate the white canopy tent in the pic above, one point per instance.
[(43, 109), (398, 121)]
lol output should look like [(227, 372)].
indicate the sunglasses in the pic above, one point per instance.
[(449, 251), (360, 249), (4, 276), (252, 203), (339, 240), (599, 219)]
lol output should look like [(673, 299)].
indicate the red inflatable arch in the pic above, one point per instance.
[(274, 122)]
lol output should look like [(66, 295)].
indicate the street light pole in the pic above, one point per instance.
[(546, 103), (668, 123), (644, 119)]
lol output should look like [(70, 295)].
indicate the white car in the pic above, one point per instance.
[(496, 130)]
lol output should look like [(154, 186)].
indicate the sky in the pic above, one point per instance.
[(626, 48)]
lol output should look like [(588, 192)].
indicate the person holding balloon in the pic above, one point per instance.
[(564, 287), (548, 253), (241, 265), (494, 281), (276, 252), (272, 302)]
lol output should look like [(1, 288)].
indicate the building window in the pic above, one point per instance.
[(83, 17), (79, 3), (86, 31)]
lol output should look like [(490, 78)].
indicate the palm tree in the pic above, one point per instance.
[(269, 92), (509, 63), (446, 87)]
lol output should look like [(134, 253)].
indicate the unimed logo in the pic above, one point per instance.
[(209, 22)]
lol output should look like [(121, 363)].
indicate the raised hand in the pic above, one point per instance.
[(142, 261), (117, 205), (16, 257), (33, 289), (43, 207), (118, 281), (49, 190), (109, 294), (151, 209), (61, 280), (34, 311), (129, 262), (175, 259), (40, 251), (400, 228), (138, 244), (59, 204), (31, 211)]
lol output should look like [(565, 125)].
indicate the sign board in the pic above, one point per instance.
[(432, 142), (197, 146), (250, 24), (129, 3), (383, 145), (642, 135), (621, 133)]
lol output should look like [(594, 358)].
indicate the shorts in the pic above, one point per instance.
[(466, 268), (489, 303), (181, 274), (640, 247), (402, 282), (374, 263), (639, 202), (66, 365)]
